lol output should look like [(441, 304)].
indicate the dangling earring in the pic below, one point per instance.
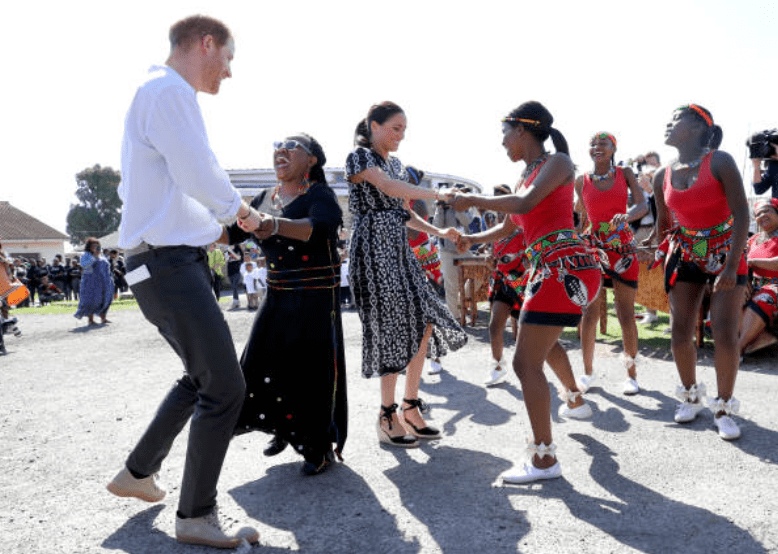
[(306, 184)]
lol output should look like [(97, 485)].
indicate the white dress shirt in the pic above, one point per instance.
[(173, 190)]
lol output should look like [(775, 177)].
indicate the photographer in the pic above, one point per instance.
[(763, 151)]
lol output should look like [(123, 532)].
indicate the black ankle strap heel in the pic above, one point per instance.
[(404, 441), (387, 412), (425, 432), (423, 407)]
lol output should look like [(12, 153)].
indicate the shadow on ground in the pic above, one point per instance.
[(639, 517)]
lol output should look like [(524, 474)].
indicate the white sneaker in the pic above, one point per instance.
[(497, 372), (528, 473), (580, 412), (235, 305), (125, 485), (687, 411), (630, 386), (213, 530), (434, 367), (648, 318), (728, 429), (585, 382)]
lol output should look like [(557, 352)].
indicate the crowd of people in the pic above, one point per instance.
[(91, 280), (61, 279), (555, 240)]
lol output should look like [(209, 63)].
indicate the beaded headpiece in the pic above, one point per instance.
[(604, 135), (700, 111), (534, 122), (772, 202)]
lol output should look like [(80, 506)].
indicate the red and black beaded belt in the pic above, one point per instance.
[(307, 278), (613, 238)]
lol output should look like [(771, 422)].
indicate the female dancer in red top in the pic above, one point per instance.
[(704, 191), (603, 195), (761, 312), (564, 275)]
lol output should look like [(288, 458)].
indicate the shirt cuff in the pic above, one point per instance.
[(230, 216)]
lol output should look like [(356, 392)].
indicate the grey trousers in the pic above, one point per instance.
[(179, 300)]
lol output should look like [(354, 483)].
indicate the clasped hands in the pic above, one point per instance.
[(462, 241), (258, 223), (459, 202)]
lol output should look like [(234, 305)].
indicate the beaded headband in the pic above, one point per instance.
[(520, 120), (605, 136), (772, 202), (700, 112)]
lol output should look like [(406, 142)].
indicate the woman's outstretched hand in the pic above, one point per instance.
[(460, 202)]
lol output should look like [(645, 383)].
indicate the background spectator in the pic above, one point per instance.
[(118, 271), (74, 275), (217, 264), (234, 261), (35, 276), (765, 175), (96, 292), (250, 277), (345, 290), (444, 218), (48, 292), (58, 275)]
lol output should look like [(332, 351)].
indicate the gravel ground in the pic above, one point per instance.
[(74, 400)]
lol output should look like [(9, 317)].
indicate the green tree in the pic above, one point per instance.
[(99, 209)]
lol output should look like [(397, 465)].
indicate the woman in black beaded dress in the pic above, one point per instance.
[(294, 361)]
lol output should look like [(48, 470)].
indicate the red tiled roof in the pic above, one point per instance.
[(17, 225)]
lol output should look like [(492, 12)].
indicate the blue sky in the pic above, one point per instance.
[(316, 67)]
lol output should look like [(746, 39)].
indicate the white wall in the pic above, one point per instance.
[(44, 249)]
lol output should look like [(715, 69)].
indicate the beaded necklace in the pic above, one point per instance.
[(690, 165), (767, 236), (279, 203), (595, 177), (534, 165)]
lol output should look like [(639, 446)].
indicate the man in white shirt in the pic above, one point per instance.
[(176, 200)]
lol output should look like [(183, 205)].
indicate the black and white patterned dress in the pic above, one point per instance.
[(390, 290)]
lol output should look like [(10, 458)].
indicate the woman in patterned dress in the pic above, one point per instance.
[(425, 251), (563, 276), (704, 191), (761, 311), (403, 319), (603, 198)]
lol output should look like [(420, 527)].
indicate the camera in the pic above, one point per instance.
[(636, 164), (760, 144)]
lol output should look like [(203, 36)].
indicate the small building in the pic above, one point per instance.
[(251, 181), (24, 236)]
